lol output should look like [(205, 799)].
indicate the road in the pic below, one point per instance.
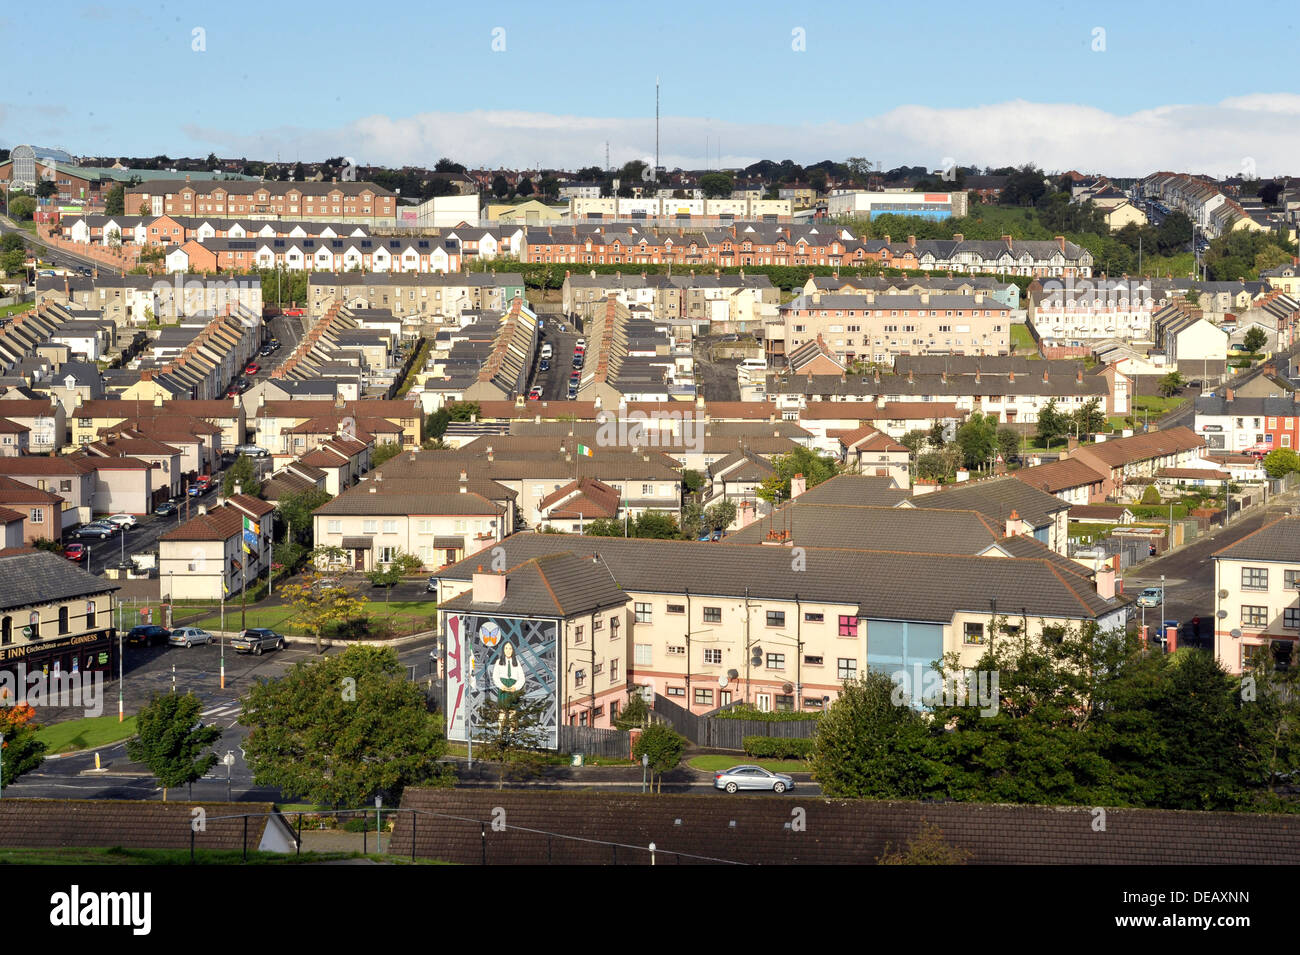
[(555, 382), (55, 256)]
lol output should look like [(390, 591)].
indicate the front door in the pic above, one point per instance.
[(359, 563), (764, 702)]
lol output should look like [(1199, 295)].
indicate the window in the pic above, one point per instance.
[(65, 486), (38, 515), (776, 618), (776, 661), (597, 669), (7, 630), (703, 697), (390, 527), (1254, 615), (613, 670), (677, 608), (1291, 579), (784, 703), (812, 661), (676, 651), (613, 711), (813, 617), (90, 615), (643, 653), (597, 625), (643, 613), (1291, 618), (677, 691), (577, 634), (713, 615), (369, 527), (63, 620), (613, 628), (848, 625), (579, 677), (846, 668), (973, 634), (713, 655), (1254, 578)]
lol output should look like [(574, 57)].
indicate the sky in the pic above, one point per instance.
[(1118, 88)]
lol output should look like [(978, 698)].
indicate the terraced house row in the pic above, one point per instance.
[(312, 201)]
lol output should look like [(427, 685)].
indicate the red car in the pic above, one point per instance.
[(74, 551), (252, 368)]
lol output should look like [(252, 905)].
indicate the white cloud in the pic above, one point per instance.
[(1211, 138)]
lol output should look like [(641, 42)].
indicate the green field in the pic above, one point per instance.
[(87, 733), (405, 616), (711, 764), (14, 309)]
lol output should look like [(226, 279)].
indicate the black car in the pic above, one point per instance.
[(544, 365), (165, 508), (148, 635)]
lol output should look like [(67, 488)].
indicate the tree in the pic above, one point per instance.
[(212, 162), (1089, 419), (22, 750), (509, 728), (500, 186), (340, 729), (525, 187), (663, 746), (716, 185), (1174, 233), (296, 509), (1270, 706), (320, 601), (692, 480), (720, 515), (21, 208), (45, 188), (928, 847), (1008, 444), (384, 452), (244, 473), (1255, 339), (1280, 462), (867, 747), (1171, 384), (115, 238), (940, 465), (391, 574), (813, 466), (635, 713), (435, 426), (978, 439), (446, 165), (915, 440), (115, 200), (171, 741), (1052, 423)]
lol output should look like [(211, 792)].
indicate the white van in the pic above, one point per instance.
[(754, 364), (547, 352)]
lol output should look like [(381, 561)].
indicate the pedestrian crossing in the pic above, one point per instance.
[(226, 710)]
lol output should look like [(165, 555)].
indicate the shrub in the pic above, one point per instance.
[(746, 712), (776, 747), (1151, 495)]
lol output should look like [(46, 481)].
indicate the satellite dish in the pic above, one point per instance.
[(1223, 614), (787, 688), (1236, 634), (722, 681), (1223, 595), (733, 674)]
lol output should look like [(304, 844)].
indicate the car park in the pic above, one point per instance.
[(123, 521), (751, 777), (189, 636), (147, 635), (257, 639)]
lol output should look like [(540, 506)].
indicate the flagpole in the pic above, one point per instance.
[(223, 629)]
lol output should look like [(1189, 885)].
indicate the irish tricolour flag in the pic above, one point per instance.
[(584, 450)]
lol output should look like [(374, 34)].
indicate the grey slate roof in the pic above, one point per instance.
[(1279, 541), (913, 530), (855, 489), (27, 579), (559, 584), (996, 499)]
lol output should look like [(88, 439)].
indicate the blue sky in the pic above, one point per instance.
[(1197, 86)]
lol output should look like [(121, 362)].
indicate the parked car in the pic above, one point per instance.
[(751, 777), (265, 350), (165, 509), (252, 451), (580, 343), (535, 393), (232, 391), (188, 636), (75, 551), (93, 532), (122, 520), (431, 586), (252, 368), (544, 365), (256, 639), (275, 342), (148, 635), (1150, 597), (197, 490)]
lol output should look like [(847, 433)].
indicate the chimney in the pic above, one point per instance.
[(1011, 377), (1228, 394), (960, 238), (239, 489), (977, 376), (489, 453), (1044, 376), (887, 242), (379, 477), (373, 489), (1106, 583), (1060, 241), (1013, 519), (412, 457), (488, 588), (1078, 376), (798, 484), (157, 401), (463, 477), (1006, 240), (911, 242), (910, 379)]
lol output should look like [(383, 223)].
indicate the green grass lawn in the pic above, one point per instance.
[(14, 309), (1090, 532), (711, 764), (406, 616), (1156, 404), (85, 734), (1021, 340)]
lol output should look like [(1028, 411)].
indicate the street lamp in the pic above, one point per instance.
[(229, 760), (645, 763), (1162, 609)]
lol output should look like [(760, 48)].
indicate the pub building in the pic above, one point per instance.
[(54, 617)]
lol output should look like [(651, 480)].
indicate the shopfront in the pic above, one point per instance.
[(91, 652)]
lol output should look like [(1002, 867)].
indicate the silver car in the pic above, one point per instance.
[(188, 636), (751, 777)]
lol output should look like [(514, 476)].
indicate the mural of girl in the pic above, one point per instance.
[(508, 676)]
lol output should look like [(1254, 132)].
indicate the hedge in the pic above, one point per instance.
[(775, 747), (765, 716)]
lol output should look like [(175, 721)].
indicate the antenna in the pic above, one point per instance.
[(607, 155), (656, 126)]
